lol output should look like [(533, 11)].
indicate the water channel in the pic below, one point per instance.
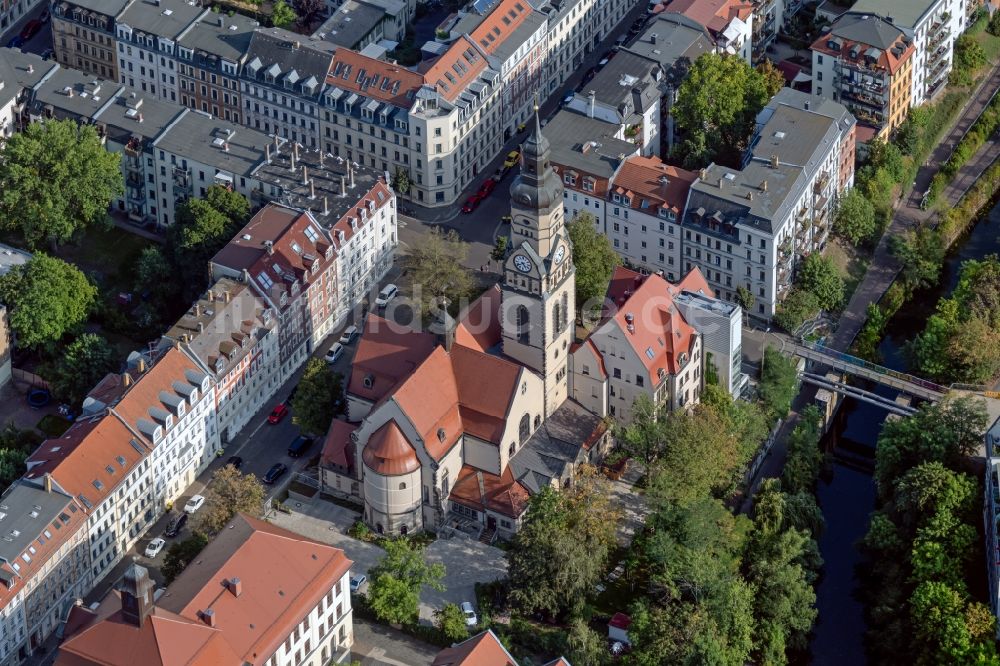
[(847, 494)]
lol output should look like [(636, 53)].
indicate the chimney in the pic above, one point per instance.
[(267, 153), (222, 21), (139, 117), (227, 296), (350, 173), (142, 365), (591, 103), (126, 379), (721, 181), (235, 586), (225, 146), (749, 195), (201, 327), (807, 105), (210, 295), (763, 186), (197, 309), (343, 186), (326, 207), (774, 161), (321, 158), (305, 175), (208, 617), (48, 482), (312, 189), (295, 149), (703, 174), (276, 146), (31, 68), (269, 246), (293, 156)]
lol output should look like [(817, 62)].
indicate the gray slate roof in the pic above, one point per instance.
[(193, 133), (529, 26), (904, 13), (866, 29), (674, 42), (27, 512), (14, 74), (569, 132), (121, 124), (167, 19), (784, 183), (555, 446), (613, 84), (349, 24), (89, 94), (221, 40)]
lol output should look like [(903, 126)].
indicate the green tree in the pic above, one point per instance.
[(855, 219), (643, 437), (451, 623), (499, 252), (799, 305), (888, 156), (969, 56), (230, 493), (593, 258), (230, 203), (12, 466), (47, 298), (920, 254), (716, 107), (82, 364), (282, 15), (153, 273), (586, 647), (943, 631), (180, 554), (57, 179), (745, 299), (993, 27), (396, 582), (401, 182), (317, 398), (435, 265), (202, 228), (804, 461), (779, 382), (818, 275)]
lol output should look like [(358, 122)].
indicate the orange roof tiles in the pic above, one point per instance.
[(479, 326), (484, 649), (90, 460), (642, 180), (483, 402), (386, 354), (389, 453), (337, 449), (429, 397), (456, 68), (713, 14), (500, 24), (502, 494), (378, 79)]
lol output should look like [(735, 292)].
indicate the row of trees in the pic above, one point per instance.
[(818, 286), (923, 542)]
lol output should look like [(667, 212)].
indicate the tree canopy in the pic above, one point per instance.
[(396, 582), (47, 298), (593, 258), (435, 264), (778, 382), (818, 275), (717, 104), (56, 178), (318, 397), (855, 219), (81, 364), (230, 493)]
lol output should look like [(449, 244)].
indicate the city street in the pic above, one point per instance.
[(42, 39)]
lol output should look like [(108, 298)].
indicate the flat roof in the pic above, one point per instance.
[(613, 84), (163, 19), (906, 13), (11, 257), (730, 197), (74, 93), (671, 40), (137, 113), (796, 136), (106, 7), (194, 136), (586, 143), (20, 71), (224, 36), (349, 23)]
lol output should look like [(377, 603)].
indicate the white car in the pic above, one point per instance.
[(470, 614), (347, 337), (154, 547), (194, 504), (387, 294), (336, 351), (357, 582)]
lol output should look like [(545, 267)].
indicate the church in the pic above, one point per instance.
[(461, 427)]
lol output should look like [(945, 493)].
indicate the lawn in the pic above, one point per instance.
[(990, 43), (851, 263)]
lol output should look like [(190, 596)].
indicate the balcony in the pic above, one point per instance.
[(134, 147), (865, 99), (133, 164), (820, 185), (135, 197)]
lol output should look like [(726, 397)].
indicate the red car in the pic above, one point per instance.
[(31, 29), (278, 413), (487, 187), (472, 204)]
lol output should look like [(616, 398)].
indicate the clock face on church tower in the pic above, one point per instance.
[(560, 254), (522, 263)]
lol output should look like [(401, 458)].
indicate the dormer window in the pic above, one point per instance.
[(441, 435), (369, 381), (219, 364)]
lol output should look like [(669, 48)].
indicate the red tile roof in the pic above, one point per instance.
[(713, 14), (378, 79), (92, 452), (484, 649), (387, 353), (479, 326), (642, 180), (501, 494), (337, 449), (456, 68), (500, 24), (429, 397), (388, 452), (485, 386)]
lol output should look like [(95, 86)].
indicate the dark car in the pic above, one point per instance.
[(299, 446), (31, 29), (15, 43), (45, 16), (589, 76), (275, 472), (235, 461), (175, 526)]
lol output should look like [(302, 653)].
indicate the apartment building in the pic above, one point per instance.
[(575, 28), (99, 462), (441, 126), (769, 16), (231, 332), (83, 36), (729, 22), (281, 83), (146, 33), (209, 56), (43, 565), (932, 26), (19, 74), (355, 24), (643, 346), (483, 649), (586, 155), (644, 207), (625, 93), (721, 326), (258, 595), (866, 64)]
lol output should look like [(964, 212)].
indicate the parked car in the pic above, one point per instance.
[(15, 42), (568, 98), (279, 412), (357, 582), (275, 472), (336, 351), (604, 61), (472, 204), (235, 461), (589, 76), (299, 446), (154, 547), (31, 29), (45, 16), (388, 293), (470, 614), (175, 526), (512, 158), (194, 504), (347, 337), (487, 187)]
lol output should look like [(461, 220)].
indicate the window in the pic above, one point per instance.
[(524, 429), (522, 323)]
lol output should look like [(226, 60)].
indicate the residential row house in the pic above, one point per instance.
[(257, 595), (866, 64), (729, 22), (83, 36)]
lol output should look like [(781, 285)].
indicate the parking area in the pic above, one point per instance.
[(467, 562)]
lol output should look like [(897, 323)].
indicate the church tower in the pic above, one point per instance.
[(539, 288)]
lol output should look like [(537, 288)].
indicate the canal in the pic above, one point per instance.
[(847, 493)]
